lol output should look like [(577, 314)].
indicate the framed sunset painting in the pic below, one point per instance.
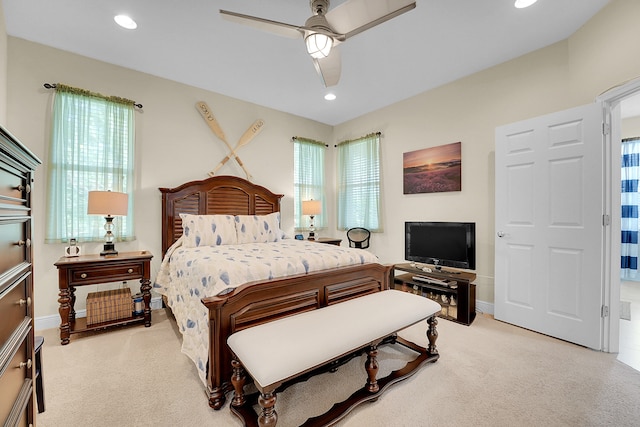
[(433, 170)]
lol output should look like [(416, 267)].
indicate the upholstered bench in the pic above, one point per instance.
[(277, 352)]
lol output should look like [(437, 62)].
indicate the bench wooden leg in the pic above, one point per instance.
[(372, 369), (268, 416), (238, 379), (432, 335)]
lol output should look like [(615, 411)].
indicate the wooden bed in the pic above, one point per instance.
[(258, 302)]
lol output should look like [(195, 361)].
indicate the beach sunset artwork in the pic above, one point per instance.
[(433, 170)]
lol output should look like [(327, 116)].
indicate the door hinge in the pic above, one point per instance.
[(604, 311), (606, 220), (606, 128)]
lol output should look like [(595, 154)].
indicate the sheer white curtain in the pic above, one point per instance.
[(92, 148), (359, 196), (309, 182), (630, 200)]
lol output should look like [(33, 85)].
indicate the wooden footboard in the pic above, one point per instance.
[(260, 302)]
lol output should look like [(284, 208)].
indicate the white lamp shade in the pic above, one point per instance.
[(318, 45), (108, 203), (311, 207)]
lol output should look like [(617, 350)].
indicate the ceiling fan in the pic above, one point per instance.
[(325, 29)]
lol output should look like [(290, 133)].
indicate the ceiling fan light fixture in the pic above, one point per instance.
[(318, 45)]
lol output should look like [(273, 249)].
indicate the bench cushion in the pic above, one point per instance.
[(278, 350)]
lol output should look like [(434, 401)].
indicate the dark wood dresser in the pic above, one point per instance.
[(17, 373)]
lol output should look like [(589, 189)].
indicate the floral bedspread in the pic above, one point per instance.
[(189, 274)]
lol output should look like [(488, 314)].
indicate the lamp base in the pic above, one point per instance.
[(312, 236), (109, 250)]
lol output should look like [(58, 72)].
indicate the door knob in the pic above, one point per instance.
[(501, 234)]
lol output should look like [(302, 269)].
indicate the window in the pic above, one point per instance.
[(92, 148), (359, 183), (308, 181)]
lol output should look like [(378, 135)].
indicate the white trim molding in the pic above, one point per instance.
[(53, 321)]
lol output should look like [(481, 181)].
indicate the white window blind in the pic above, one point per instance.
[(359, 183)]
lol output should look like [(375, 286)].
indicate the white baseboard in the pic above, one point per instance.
[(484, 307), (53, 321)]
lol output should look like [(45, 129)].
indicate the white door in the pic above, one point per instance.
[(549, 224)]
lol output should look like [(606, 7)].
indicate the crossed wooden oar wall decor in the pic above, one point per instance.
[(246, 137)]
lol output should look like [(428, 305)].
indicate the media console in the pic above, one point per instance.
[(453, 290)]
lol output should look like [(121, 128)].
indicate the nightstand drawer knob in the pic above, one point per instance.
[(130, 270), (26, 302), (83, 276), (26, 364)]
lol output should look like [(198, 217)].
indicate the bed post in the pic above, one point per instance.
[(218, 386)]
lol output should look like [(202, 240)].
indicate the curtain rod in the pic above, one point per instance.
[(54, 86), (313, 141), (362, 137)]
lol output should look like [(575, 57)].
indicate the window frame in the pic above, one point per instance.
[(92, 147), (359, 186), (309, 181)]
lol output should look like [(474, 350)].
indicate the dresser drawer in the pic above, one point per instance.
[(106, 273), (12, 380), (14, 306), (13, 186), (13, 243)]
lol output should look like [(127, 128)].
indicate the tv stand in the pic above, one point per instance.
[(453, 290)]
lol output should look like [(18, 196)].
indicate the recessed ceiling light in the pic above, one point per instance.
[(125, 22), (330, 96), (521, 4)]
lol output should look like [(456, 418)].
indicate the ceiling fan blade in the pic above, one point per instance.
[(355, 16), (280, 28), (329, 68)]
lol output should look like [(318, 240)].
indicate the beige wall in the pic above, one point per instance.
[(174, 145), (631, 127)]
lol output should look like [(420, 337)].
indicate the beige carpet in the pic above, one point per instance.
[(489, 374)]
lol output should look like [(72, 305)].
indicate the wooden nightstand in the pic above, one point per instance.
[(329, 240), (96, 269)]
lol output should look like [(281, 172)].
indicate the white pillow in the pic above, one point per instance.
[(259, 228), (208, 230)]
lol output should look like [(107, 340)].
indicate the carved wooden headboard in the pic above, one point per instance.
[(225, 195)]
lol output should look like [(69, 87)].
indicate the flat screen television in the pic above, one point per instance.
[(449, 244)]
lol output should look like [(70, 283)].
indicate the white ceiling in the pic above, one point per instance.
[(187, 41)]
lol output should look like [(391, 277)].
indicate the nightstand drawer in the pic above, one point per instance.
[(106, 273), (14, 307)]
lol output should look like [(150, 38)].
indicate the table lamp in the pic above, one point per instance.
[(311, 208), (110, 204)]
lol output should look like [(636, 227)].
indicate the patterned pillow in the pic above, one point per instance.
[(208, 230), (259, 228)]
